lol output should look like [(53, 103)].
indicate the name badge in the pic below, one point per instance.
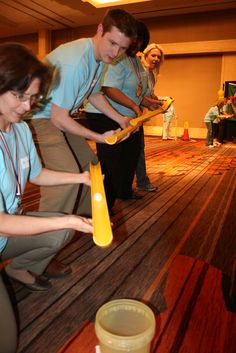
[(24, 162)]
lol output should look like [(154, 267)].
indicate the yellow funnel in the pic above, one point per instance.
[(102, 232)]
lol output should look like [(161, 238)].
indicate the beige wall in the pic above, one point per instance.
[(193, 27), (196, 71), (193, 82), (200, 55)]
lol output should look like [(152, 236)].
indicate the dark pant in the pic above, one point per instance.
[(209, 137), (118, 162), (142, 179), (215, 131), (222, 130)]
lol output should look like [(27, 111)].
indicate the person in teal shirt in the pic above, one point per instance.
[(125, 85), (210, 116), (60, 138), (30, 241)]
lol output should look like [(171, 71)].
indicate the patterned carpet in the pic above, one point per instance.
[(173, 249)]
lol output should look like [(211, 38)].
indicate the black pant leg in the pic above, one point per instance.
[(130, 153), (108, 155)]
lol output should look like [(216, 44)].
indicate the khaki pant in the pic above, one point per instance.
[(31, 253), (68, 153), (8, 327)]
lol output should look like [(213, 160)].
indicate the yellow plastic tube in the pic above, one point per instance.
[(102, 232), (135, 123), (162, 109), (120, 135)]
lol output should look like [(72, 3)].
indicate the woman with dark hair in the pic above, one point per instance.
[(125, 85), (30, 241)]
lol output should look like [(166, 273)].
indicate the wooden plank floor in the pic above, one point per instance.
[(174, 250)]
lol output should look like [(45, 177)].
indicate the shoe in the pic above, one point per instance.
[(57, 270), (134, 196), (210, 146), (39, 285), (148, 188)]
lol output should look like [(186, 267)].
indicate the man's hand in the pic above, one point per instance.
[(108, 134), (124, 121), (151, 103)]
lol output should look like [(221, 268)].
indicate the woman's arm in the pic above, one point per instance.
[(19, 225), (49, 177)]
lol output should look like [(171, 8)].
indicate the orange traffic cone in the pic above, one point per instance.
[(185, 135)]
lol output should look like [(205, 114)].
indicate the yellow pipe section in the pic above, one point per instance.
[(135, 123), (102, 232), (120, 135), (162, 109)]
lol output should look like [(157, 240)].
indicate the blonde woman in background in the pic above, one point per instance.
[(152, 58)]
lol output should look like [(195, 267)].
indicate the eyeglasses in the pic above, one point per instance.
[(24, 97)]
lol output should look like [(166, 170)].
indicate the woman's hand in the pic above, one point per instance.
[(85, 178), (80, 224)]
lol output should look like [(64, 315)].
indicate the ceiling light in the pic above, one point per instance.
[(106, 3)]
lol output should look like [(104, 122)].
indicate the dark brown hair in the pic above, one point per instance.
[(141, 41), (121, 19), (19, 66)]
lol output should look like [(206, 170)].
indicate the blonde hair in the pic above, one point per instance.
[(147, 51), (151, 47)]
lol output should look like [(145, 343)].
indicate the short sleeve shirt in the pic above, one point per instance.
[(125, 74), (76, 72), (30, 167), (212, 113)]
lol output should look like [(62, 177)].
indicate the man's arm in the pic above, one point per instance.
[(100, 102), (118, 96), (63, 121)]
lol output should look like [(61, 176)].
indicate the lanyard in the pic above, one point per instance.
[(151, 80), (16, 173), (135, 65), (75, 108)]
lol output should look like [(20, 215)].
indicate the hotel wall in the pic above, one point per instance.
[(200, 54)]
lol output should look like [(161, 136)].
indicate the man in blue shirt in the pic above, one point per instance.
[(61, 140)]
